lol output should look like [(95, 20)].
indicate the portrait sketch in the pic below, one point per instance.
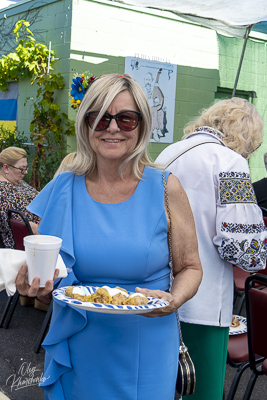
[(158, 81)]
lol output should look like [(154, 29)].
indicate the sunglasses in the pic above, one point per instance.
[(22, 170), (126, 120)]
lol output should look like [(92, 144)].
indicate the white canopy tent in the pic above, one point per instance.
[(235, 18), (228, 16)]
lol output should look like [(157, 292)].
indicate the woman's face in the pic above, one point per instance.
[(17, 171), (114, 143)]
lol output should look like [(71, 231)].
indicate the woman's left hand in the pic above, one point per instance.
[(159, 294)]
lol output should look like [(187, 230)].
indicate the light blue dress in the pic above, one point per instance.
[(97, 356)]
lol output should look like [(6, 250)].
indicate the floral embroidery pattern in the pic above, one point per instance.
[(242, 228), (251, 256), (236, 187), (209, 129)]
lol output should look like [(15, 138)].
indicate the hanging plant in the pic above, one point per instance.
[(28, 61), (49, 125), (48, 129)]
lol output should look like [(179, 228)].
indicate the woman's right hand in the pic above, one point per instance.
[(34, 289)]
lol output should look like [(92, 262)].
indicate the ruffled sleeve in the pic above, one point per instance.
[(241, 235), (54, 205)]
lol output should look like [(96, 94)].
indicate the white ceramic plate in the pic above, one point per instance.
[(242, 328), (152, 304)]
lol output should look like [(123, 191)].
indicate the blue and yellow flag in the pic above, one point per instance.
[(9, 106)]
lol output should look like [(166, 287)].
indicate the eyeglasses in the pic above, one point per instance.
[(126, 120), (22, 170)]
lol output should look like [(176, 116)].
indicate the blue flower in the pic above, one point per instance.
[(77, 91)]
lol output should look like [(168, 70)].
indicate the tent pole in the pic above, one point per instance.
[(242, 57)]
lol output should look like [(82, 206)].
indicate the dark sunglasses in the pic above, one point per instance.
[(126, 120), (22, 170)]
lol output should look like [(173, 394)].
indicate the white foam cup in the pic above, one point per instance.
[(41, 256)]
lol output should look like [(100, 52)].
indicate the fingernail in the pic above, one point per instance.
[(50, 283), (24, 268), (36, 280)]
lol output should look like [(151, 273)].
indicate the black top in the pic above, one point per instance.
[(260, 188)]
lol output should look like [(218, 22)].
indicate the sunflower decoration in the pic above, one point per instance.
[(78, 88)]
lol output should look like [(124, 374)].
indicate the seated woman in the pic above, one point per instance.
[(14, 192)]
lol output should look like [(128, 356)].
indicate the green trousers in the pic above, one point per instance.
[(207, 347)]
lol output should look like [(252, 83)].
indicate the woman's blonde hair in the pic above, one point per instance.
[(238, 120), (98, 97), (66, 163), (11, 155)]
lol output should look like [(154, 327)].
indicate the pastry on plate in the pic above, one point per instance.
[(118, 295), (106, 295), (235, 322), (101, 296), (78, 292), (68, 291), (136, 299)]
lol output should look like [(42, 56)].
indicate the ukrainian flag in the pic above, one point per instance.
[(9, 106)]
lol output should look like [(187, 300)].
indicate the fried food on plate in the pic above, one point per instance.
[(106, 295)]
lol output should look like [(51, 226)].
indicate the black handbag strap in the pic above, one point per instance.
[(183, 348)]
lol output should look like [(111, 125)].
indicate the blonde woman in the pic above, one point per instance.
[(109, 210), (215, 175)]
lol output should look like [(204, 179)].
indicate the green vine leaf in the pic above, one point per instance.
[(49, 126)]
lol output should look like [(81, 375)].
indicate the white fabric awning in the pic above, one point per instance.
[(231, 17)]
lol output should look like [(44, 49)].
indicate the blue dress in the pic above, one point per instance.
[(96, 356)]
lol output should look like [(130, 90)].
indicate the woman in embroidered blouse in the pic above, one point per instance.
[(109, 211), (14, 192), (230, 229)]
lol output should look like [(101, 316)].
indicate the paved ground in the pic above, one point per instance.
[(21, 368)]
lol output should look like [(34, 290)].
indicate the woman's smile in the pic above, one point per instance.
[(114, 143), (113, 140)]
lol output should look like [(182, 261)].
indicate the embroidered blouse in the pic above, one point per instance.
[(17, 197), (229, 223)]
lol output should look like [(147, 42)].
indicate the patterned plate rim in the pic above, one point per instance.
[(153, 303), (238, 330)]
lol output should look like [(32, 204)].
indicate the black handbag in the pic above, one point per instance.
[(186, 378)]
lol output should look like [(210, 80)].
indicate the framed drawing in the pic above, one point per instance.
[(158, 81)]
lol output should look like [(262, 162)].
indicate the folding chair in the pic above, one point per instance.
[(237, 357), (256, 307), (240, 277), (239, 353), (20, 227)]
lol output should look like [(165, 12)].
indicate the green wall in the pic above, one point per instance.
[(104, 32), (252, 79)]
